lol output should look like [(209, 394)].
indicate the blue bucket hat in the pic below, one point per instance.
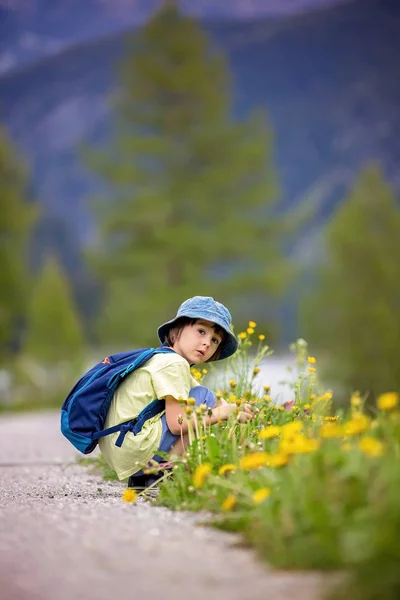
[(205, 307)]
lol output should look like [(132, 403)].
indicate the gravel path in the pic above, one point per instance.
[(65, 534)]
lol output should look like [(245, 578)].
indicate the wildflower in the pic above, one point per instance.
[(290, 429), (388, 401), (331, 418), (269, 432), (256, 370), (242, 335), (232, 383), (311, 360), (278, 460), (196, 374), (250, 330), (129, 495), (191, 401), (204, 371), (307, 406), (299, 444), (200, 475), (226, 469), (261, 337), (267, 398), (229, 503), (188, 410), (267, 388), (331, 430), (180, 419), (260, 495), (355, 400), (254, 461), (252, 324), (218, 394), (371, 446), (326, 396), (356, 425), (311, 369)]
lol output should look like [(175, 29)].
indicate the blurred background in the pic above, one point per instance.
[(153, 150)]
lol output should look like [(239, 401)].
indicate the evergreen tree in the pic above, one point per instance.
[(53, 333), (192, 208), (353, 310), (15, 224)]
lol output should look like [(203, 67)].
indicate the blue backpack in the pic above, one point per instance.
[(84, 411)]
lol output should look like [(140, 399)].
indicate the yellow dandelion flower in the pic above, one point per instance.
[(278, 460), (250, 330), (311, 360), (188, 410), (331, 430), (191, 401), (252, 324), (204, 371), (218, 394), (129, 495), (388, 401), (298, 444), (229, 503), (292, 428), (355, 400), (232, 383), (260, 495), (256, 370), (371, 446), (261, 337), (326, 396), (253, 461), (267, 388), (226, 469), (269, 432), (329, 418), (200, 475), (356, 425), (267, 398), (242, 335), (311, 369)]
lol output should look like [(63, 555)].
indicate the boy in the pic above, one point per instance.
[(200, 332)]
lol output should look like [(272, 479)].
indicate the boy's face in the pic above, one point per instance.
[(198, 342)]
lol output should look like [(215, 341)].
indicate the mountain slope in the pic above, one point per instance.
[(329, 81)]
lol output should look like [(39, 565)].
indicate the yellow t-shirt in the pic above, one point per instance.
[(163, 375)]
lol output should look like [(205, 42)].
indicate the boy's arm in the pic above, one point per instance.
[(177, 421)]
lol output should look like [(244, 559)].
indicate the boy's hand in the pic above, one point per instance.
[(246, 414)]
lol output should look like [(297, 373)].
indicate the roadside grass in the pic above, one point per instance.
[(309, 487)]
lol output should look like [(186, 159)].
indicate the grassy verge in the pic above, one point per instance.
[(308, 488)]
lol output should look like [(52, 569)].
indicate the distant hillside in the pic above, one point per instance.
[(329, 81)]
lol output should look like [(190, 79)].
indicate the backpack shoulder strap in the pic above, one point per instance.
[(149, 411)]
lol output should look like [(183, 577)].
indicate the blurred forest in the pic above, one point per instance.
[(190, 203)]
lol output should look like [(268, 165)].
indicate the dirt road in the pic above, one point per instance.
[(66, 534)]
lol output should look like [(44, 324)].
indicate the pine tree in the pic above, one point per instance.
[(15, 224), (54, 333), (192, 192), (353, 311)]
